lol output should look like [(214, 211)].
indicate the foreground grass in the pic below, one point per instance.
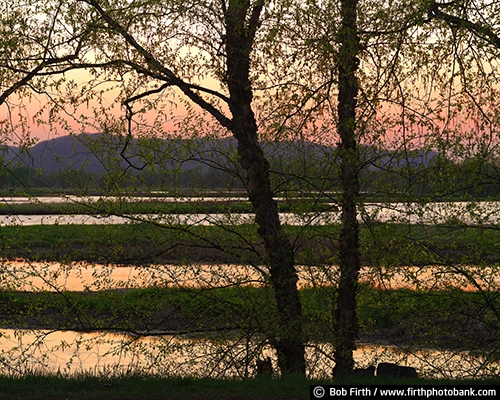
[(35, 387), (140, 388)]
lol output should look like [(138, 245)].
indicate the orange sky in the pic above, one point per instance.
[(34, 111)]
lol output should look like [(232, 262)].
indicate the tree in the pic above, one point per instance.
[(349, 257), (403, 28), (112, 34), (357, 74)]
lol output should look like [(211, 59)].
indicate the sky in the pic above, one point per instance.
[(34, 113)]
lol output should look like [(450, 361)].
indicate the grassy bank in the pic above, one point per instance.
[(433, 319), (146, 242), (154, 206), (118, 208), (441, 319), (144, 388)]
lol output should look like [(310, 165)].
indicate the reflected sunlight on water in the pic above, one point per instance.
[(470, 213), (79, 276), (99, 353), (107, 353)]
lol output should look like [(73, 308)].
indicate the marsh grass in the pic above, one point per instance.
[(107, 207), (422, 318), (382, 244), (385, 316), (138, 387)]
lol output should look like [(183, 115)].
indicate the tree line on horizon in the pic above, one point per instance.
[(383, 176)]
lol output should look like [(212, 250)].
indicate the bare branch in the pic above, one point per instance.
[(155, 65), (481, 31), (34, 72)]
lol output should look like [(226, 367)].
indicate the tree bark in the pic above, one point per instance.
[(349, 259), (242, 20), (241, 24)]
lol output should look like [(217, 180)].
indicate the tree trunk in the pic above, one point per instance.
[(345, 312), (240, 30)]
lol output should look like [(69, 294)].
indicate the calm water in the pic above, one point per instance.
[(471, 213), (101, 353), (93, 199), (68, 352), (108, 353), (78, 276)]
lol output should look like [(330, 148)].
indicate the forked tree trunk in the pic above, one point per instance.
[(241, 24), (345, 311)]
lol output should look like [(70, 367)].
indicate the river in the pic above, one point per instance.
[(106, 353), (79, 276), (70, 353), (470, 213)]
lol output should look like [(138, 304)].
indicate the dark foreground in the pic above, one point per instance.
[(140, 388)]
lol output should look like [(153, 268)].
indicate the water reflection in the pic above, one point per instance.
[(469, 213), (79, 276), (108, 353), (100, 353), (93, 199), (114, 353)]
